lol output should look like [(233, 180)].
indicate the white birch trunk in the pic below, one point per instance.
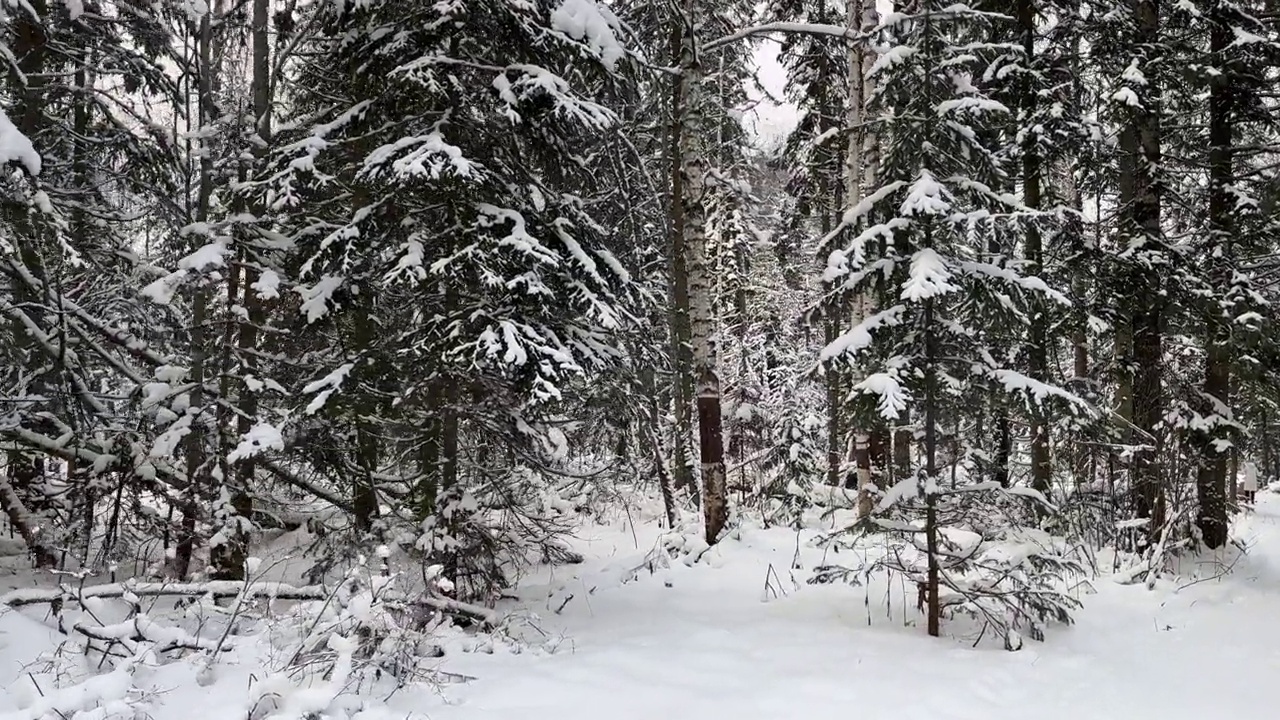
[(693, 172), (859, 174)]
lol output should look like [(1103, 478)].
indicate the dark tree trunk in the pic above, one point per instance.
[(931, 473), (1140, 197), (1037, 352), (1211, 480)]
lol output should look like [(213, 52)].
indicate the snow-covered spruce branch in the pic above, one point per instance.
[(233, 588), (171, 481)]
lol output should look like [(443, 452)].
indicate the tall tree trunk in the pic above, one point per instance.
[(859, 173), (903, 438), (226, 557), (1144, 207), (80, 473), (832, 376), (1000, 423), (1037, 352), (431, 449), (693, 170), (647, 431), (1004, 444), (364, 497), (1211, 479), (254, 315), (1122, 367), (1073, 237), (196, 452), (931, 472), (678, 312), (368, 444)]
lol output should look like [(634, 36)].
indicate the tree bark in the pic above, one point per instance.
[(196, 452), (903, 438), (1212, 474), (678, 312), (1037, 352), (860, 169), (931, 473), (1144, 209), (693, 170), (242, 500), (1073, 238), (31, 49)]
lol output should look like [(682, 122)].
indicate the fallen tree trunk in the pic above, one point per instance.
[(233, 588), (140, 629)]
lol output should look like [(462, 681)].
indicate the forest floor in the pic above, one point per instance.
[(740, 635)]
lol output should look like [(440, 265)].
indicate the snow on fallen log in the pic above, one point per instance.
[(233, 588), (141, 628)]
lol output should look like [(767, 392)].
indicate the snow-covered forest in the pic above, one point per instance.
[(381, 359)]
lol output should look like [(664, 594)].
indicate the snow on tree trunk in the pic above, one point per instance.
[(1140, 141), (1037, 350), (859, 173), (229, 559), (693, 171), (1211, 479), (196, 453), (678, 312)]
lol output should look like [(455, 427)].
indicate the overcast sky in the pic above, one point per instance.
[(768, 120), (772, 121)]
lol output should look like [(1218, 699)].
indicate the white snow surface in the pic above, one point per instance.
[(711, 639)]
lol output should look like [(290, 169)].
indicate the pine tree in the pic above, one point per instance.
[(922, 257), (468, 290)]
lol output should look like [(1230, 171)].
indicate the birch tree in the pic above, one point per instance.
[(693, 180)]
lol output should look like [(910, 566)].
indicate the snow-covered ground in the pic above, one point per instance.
[(735, 636)]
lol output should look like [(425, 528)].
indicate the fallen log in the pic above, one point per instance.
[(140, 629), (232, 588)]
